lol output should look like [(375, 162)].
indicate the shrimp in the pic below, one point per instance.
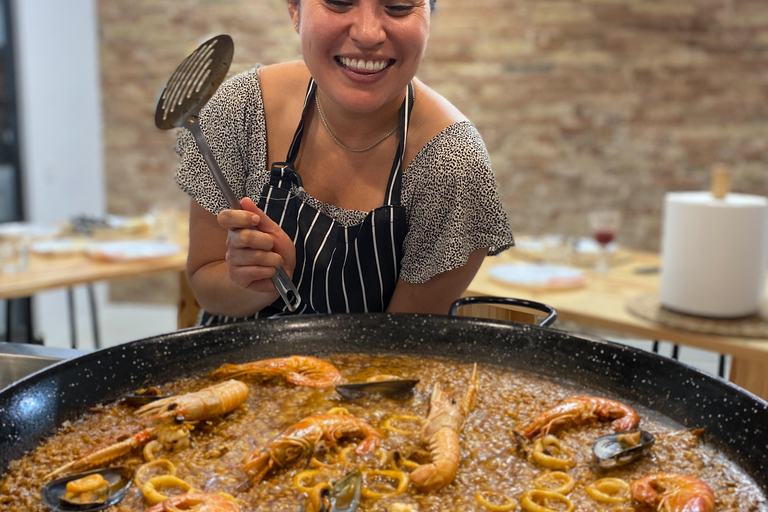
[(445, 421), (670, 492), (205, 404), (299, 440), (196, 502), (168, 417), (580, 410), (115, 448), (300, 370)]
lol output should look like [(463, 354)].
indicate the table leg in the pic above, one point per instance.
[(72, 315), (750, 375), (94, 317), (188, 306)]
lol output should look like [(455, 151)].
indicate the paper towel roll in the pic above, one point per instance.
[(713, 254)]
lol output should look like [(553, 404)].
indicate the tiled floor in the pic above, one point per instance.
[(122, 322)]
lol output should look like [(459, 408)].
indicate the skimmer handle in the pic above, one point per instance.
[(280, 279)]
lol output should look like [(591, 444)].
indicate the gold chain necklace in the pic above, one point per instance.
[(338, 142)]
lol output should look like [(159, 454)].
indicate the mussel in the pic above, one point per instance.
[(144, 396), (118, 481), (618, 449), (390, 387), (342, 496)]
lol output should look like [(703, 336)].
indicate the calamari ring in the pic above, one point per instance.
[(401, 477), (150, 448), (301, 477), (151, 488), (138, 477), (509, 503), (532, 501), (564, 480), (339, 410), (609, 490), (404, 462), (387, 425), (548, 452)]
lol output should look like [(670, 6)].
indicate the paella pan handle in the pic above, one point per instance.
[(507, 301)]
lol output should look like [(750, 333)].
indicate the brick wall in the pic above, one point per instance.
[(582, 103)]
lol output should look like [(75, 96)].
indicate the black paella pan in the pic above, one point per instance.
[(736, 421)]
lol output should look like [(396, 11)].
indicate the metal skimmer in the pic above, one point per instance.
[(187, 91)]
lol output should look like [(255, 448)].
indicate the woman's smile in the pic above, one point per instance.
[(363, 65)]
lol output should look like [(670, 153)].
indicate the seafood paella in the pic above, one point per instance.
[(384, 433)]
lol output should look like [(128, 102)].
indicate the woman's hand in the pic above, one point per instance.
[(256, 246)]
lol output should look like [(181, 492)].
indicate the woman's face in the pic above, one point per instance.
[(362, 53)]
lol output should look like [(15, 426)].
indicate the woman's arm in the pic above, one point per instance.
[(229, 265), (437, 294)]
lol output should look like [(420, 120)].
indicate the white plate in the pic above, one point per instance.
[(125, 250), (538, 276), (27, 229), (60, 246)]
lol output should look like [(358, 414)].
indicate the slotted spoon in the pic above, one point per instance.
[(187, 91)]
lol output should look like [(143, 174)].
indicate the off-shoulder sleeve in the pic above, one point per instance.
[(234, 126), (453, 205)]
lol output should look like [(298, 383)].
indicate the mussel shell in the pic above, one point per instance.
[(387, 388), (344, 494), (119, 478), (609, 453), (137, 398), (346, 491)]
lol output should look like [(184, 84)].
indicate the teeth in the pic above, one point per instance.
[(364, 65)]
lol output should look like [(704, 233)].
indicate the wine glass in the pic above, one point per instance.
[(604, 225)]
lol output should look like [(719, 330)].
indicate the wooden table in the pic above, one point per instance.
[(602, 304), (50, 272)]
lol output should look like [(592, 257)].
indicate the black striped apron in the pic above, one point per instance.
[(338, 268)]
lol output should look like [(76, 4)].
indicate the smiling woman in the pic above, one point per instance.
[(370, 189)]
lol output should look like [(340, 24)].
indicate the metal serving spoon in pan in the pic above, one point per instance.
[(187, 91)]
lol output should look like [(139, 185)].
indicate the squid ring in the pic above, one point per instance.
[(402, 482), (536, 501), (139, 478), (302, 476), (564, 480), (506, 506), (150, 448), (609, 490), (151, 488), (339, 410), (388, 424), (548, 452)]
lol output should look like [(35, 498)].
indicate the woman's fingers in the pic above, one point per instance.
[(256, 246)]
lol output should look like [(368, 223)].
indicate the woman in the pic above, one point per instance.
[(372, 191)]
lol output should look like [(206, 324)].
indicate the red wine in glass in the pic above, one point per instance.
[(603, 237)]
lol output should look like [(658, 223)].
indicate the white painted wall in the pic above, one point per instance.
[(60, 133)]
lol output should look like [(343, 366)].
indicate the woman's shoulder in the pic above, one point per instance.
[(435, 122), (282, 83)]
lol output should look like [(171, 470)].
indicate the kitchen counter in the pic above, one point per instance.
[(20, 359)]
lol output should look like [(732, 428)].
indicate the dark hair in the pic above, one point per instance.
[(432, 5)]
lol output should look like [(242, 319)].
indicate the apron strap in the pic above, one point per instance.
[(395, 175)]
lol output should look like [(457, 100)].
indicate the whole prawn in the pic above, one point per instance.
[(300, 370), (441, 431), (166, 417), (580, 410), (196, 502), (670, 492), (298, 441), (205, 404)]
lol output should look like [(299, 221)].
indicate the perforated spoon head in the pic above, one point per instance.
[(194, 82)]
